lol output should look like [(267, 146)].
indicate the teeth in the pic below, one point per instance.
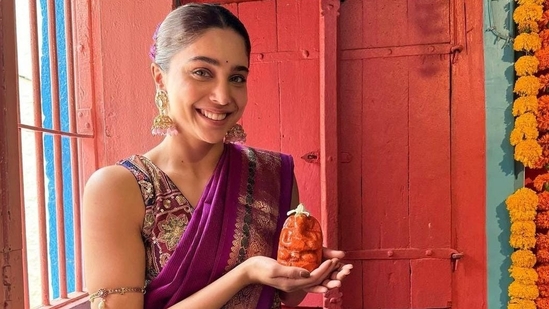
[(213, 116)]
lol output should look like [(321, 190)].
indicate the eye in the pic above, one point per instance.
[(202, 73), (239, 79)]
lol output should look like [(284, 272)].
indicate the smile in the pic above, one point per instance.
[(213, 116)]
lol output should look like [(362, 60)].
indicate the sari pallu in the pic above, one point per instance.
[(239, 215)]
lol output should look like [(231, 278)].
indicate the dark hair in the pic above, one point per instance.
[(185, 24)]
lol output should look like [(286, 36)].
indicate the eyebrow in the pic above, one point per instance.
[(216, 62)]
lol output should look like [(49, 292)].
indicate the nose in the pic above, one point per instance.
[(221, 94)]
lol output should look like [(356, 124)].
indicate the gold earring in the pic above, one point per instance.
[(162, 123), (235, 134)]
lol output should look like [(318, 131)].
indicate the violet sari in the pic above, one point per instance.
[(239, 215)]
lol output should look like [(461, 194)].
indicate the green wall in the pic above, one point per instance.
[(503, 175)]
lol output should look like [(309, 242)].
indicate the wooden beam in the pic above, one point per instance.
[(11, 239)]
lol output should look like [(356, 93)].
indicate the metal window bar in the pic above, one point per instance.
[(59, 135)]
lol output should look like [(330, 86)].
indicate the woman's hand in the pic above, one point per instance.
[(267, 271), (338, 273)]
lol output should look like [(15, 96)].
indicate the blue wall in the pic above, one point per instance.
[(49, 149), (503, 177)]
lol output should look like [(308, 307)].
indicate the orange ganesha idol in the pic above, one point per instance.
[(300, 242)]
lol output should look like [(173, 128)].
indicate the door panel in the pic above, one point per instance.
[(394, 140)]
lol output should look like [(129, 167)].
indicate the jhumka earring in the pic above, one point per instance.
[(235, 135), (162, 123)]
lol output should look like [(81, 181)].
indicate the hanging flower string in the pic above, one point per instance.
[(530, 286)]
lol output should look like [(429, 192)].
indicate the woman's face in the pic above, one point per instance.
[(206, 85)]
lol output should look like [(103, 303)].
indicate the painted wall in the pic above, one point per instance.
[(502, 176)]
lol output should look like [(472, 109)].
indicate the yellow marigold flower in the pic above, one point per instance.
[(523, 275), (522, 205), (523, 291), (523, 258), (525, 104), (527, 42), (523, 228), (521, 242), (521, 304), (527, 12), (528, 152), (522, 2), (516, 137), (529, 26), (527, 85), (526, 65)]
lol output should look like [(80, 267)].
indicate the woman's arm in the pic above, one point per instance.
[(114, 254)]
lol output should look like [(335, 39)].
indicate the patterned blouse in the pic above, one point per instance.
[(167, 212)]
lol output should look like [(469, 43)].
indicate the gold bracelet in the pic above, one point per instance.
[(103, 293)]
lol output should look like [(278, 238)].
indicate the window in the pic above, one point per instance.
[(49, 153)]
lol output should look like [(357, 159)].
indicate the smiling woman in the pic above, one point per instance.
[(197, 215)]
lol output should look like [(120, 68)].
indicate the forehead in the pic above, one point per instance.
[(224, 45)]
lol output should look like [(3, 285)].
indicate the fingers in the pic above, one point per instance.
[(341, 272)]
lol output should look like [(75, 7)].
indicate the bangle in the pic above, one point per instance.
[(103, 293)]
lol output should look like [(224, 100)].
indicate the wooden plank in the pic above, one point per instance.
[(396, 51), (299, 121), (431, 283), (429, 134), (349, 113), (350, 29), (260, 20), (261, 119), (11, 231), (297, 21), (405, 22), (386, 285), (468, 112), (385, 154)]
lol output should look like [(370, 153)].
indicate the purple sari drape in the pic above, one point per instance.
[(239, 215)]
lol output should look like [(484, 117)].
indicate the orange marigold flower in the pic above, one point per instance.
[(543, 274), (542, 241), (544, 82), (544, 21), (542, 303), (522, 205), (528, 152), (544, 36), (528, 42), (543, 198), (527, 85), (540, 181), (543, 120), (542, 256), (527, 12), (542, 220), (516, 137), (543, 290), (526, 65), (543, 57)]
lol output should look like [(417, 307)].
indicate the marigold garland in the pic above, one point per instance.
[(533, 46), (543, 201)]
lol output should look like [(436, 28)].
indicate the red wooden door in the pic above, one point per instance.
[(394, 142)]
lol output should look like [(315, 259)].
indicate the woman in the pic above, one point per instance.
[(195, 221)]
